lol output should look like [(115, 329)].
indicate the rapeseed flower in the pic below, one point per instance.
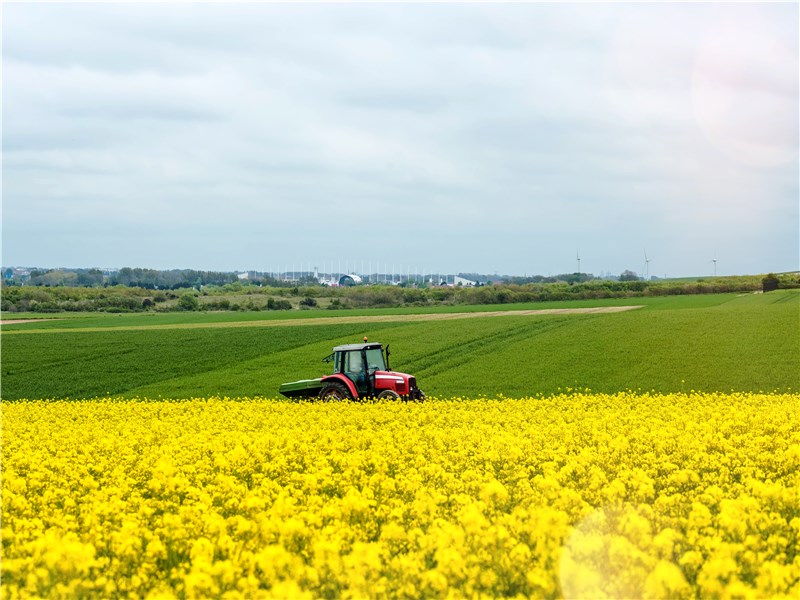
[(573, 495)]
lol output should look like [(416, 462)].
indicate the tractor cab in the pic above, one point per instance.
[(360, 363)]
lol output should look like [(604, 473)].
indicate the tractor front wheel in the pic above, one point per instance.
[(334, 392), (388, 395)]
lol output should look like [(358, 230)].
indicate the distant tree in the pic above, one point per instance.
[(273, 304), (770, 282), (308, 301), (54, 277), (124, 276), (188, 302), (89, 278), (628, 275)]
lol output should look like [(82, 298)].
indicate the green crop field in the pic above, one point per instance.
[(706, 343)]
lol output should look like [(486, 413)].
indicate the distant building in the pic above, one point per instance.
[(349, 280), (18, 274), (460, 281), (243, 276)]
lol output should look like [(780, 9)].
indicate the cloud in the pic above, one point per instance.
[(500, 142)]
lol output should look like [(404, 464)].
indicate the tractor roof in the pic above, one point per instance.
[(349, 347)]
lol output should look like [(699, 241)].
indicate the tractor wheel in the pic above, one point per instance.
[(334, 392), (388, 395)]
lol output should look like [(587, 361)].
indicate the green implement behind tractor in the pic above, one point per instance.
[(359, 371)]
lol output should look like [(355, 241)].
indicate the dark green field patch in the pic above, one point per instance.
[(84, 364)]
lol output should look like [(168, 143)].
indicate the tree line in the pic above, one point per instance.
[(150, 279), (238, 295), (186, 278)]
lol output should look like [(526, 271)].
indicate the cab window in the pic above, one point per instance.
[(375, 359), (353, 362)]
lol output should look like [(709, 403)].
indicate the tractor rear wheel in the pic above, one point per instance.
[(388, 395), (334, 392)]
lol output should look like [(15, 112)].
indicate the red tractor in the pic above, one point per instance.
[(359, 371)]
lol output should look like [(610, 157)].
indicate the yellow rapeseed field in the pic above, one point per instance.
[(579, 495)]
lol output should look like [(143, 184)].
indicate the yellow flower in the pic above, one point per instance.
[(666, 581), (577, 494)]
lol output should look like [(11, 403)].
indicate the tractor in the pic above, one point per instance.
[(359, 371)]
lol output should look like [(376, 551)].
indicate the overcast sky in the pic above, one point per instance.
[(447, 137)]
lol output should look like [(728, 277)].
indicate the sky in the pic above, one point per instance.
[(431, 137)]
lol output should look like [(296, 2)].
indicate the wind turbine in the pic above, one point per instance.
[(646, 266), (578, 257), (714, 260)]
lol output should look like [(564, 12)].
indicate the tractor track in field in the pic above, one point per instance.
[(407, 318)]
